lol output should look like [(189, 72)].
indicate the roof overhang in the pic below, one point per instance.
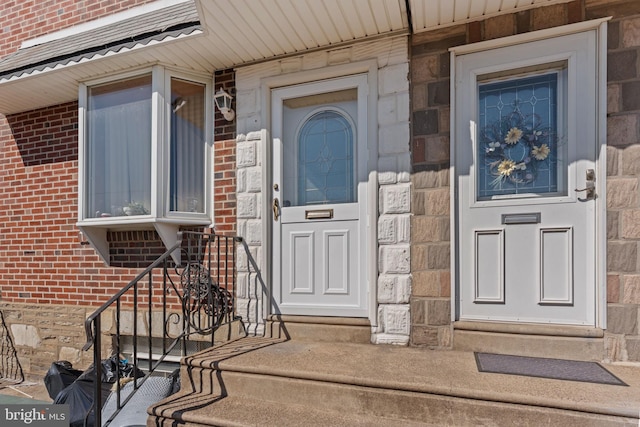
[(210, 35)]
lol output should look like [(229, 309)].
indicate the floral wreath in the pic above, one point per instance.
[(515, 146)]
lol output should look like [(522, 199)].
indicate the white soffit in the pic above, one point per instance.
[(428, 15)]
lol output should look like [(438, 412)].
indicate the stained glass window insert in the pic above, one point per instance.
[(520, 148), (325, 160)]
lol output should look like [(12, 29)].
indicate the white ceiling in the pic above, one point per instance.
[(239, 32)]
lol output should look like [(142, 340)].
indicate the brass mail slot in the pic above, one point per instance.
[(319, 214), (521, 218)]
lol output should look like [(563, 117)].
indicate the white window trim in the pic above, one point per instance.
[(166, 223)]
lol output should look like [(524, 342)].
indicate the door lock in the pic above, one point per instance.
[(276, 209), (590, 185)]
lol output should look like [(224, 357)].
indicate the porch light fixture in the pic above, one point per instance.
[(223, 102)]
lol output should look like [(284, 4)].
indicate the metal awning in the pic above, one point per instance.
[(209, 35)]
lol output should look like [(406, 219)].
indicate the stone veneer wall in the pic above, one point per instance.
[(394, 281), (431, 258)]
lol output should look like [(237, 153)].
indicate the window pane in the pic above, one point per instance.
[(187, 147), (520, 147), (325, 160), (118, 162)]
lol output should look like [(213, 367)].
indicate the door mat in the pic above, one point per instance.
[(558, 369)]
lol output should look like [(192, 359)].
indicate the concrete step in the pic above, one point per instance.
[(279, 382), (319, 329), (558, 342)]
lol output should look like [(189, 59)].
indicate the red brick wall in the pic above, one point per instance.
[(22, 20)]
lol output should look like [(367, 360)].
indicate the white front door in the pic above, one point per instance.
[(319, 197), (526, 139)]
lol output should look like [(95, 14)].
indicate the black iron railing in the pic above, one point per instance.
[(161, 311)]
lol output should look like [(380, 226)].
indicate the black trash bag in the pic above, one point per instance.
[(79, 396), (175, 381), (109, 370), (59, 376)]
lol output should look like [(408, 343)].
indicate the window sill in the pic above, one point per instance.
[(95, 230)]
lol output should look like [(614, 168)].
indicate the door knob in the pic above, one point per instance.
[(276, 209), (590, 187)]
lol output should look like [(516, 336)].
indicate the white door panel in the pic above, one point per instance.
[(319, 187), (525, 141)]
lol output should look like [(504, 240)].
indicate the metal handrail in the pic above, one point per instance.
[(204, 296)]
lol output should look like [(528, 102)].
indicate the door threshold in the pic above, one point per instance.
[(321, 320), (578, 331)]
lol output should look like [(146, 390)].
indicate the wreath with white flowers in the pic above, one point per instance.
[(516, 146)]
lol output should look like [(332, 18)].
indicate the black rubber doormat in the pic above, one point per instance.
[(559, 369)]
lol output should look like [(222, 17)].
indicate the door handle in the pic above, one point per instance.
[(590, 187), (276, 209)]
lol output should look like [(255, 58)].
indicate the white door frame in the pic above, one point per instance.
[(600, 27), (370, 253)]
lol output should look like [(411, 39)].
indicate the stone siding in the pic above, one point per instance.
[(431, 259), (394, 281)]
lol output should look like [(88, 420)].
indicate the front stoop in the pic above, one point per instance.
[(257, 381)]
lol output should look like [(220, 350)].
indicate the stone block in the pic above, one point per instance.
[(418, 257), (395, 199), (622, 257), (629, 159), (438, 312), (387, 110), (547, 17), (613, 35), (429, 229), (403, 228), (339, 56), (436, 149), (633, 349), (403, 106), (438, 202), (444, 119), (393, 79), (387, 229), (425, 122), (612, 161), (391, 339), (418, 199), (630, 93), (26, 336), (425, 68), (427, 179), (291, 65), (418, 311), (631, 32), (419, 95), (622, 319), (426, 284), (630, 227), (315, 60), (615, 348), (424, 336), (394, 139), (613, 288), (622, 193), (254, 180), (246, 154), (438, 257), (612, 224), (622, 130), (613, 98), (395, 318), (241, 181), (254, 232), (621, 65), (445, 284), (247, 205), (630, 289), (445, 336), (499, 26), (438, 93), (395, 259)]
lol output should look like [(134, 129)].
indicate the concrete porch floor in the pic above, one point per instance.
[(449, 377)]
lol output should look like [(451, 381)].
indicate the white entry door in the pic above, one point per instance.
[(526, 138), (319, 197)]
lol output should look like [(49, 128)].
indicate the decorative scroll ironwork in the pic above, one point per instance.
[(204, 303), (10, 368)]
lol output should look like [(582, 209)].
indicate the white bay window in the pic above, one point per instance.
[(145, 143)]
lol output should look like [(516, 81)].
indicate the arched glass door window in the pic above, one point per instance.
[(325, 145)]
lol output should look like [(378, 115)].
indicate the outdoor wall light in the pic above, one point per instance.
[(223, 102)]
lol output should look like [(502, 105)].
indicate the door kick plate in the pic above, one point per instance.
[(319, 214)]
